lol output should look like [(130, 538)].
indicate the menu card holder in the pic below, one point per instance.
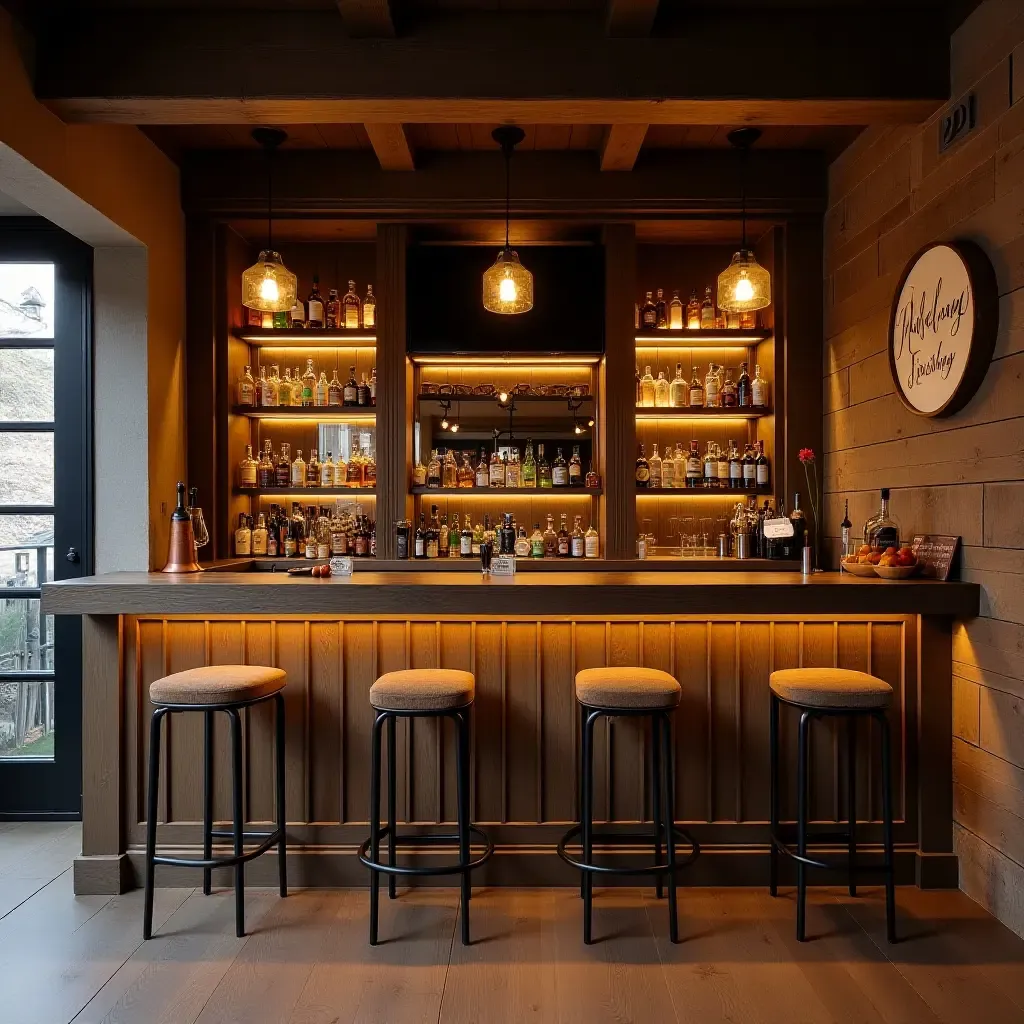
[(938, 555)]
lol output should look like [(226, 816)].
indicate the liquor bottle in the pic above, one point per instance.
[(333, 310), (298, 470), (748, 320), (759, 389), (762, 467), (313, 470), (243, 536), (844, 527), (636, 316), (272, 533), (507, 536), (354, 470), (265, 468), (712, 388), (654, 467), (593, 481), (732, 320), (647, 389), (648, 313), (735, 467), (522, 544), (450, 470), (373, 386), (297, 314), (723, 467), (466, 539), (591, 543), (643, 470), (315, 306), (434, 470), (327, 472), (730, 399), (335, 391), (363, 392), (536, 542), (370, 469), (282, 319), (257, 393), (677, 396), (433, 534), (323, 535), (749, 469), (710, 467), (560, 471), (707, 311), (351, 309), (693, 466), (269, 389), (744, 390), (286, 536), (322, 395), (286, 389), (247, 469), (544, 477), (464, 476), (495, 471), (639, 388), (283, 470), (882, 530), (563, 546), (661, 391), (550, 539), (297, 388), (675, 312), (660, 312), (529, 467), (309, 385), (419, 542), (369, 308), (693, 312), (482, 478), (350, 393), (696, 391), (575, 468), (246, 389), (252, 317)]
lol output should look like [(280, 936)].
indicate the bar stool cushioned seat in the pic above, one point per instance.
[(217, 684), (423, 689), (627, 686), (830, 688)]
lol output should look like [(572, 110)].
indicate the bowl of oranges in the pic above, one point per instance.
[(890, 563)]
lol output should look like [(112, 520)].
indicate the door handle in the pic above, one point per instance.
[(72, 555)]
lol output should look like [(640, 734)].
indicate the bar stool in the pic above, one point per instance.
[(637, 692), (227, 688), (420, 693), (816, 693)]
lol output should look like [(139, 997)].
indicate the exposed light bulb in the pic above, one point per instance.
[(744, 290), (455, 428), (590, 423), (268, 289), (507, 290), (444, 424), (503, 395), (578, 429)]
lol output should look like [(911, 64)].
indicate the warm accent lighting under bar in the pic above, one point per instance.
[(307, 339), (711, 417), (457, 361)]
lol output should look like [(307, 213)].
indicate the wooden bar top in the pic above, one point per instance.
[(471, 593)]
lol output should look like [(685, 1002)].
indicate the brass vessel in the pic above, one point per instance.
[(181, 548)]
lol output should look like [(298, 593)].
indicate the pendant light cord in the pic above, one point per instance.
[(745, 153), (508, 162), (270, 194)]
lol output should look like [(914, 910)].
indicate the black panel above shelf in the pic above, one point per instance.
[(269, 337), (305, 492), (698, 413), (704, 338), (305, 412), (702, 492), (528, 492)]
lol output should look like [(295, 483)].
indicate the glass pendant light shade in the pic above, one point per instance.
[(268, 285), (508, 285), (744, 285)]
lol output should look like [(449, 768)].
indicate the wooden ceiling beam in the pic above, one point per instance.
[(631, 17), (621, 146), (391, 144), (367, 18)]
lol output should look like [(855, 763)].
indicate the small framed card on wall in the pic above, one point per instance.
[(942, 327)]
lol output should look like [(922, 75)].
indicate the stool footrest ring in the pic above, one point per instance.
[(612, 838), (842, 862), (269, 839), (427, 840)]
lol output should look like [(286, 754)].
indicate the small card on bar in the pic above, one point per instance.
[(342, 565), (503, 565)]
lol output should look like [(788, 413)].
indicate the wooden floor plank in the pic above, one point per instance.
[(399, 981), (32, 857)]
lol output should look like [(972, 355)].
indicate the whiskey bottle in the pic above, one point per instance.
[(373, 386), (466, 539), (591, 543), (735, 467), (464, 476), (668, 468), (370, 469), (710, 468), (744, 395), (433, 534), (354, 471), (283, 470), (529, 467), (247, 469), (661, 391), (286, 389), (693, 312), (315, 306), (593, 481), (748, 320), (297, 388), (647, 389), (536, 542), (643, 470), (707, 311), (482, 477), (696, 391), (420, 539), (298, 470), (639, 388), (550, 539), (654, 467), (369, 309), (246, 389), (575, 468), (730, 399), (495, 471), (350, 394), (363, 392), (693, 466), (648, 313), (522, 544), (723, 467), (268, 388), (712, 388), (243, 536), (297, 315), (265, 468), (313, 470), (352, 309), (327, 472), (335, 391), (763, 477), (449, 470), (759, 389), (309, 385), (562, 549), (677, 396), (544, 477), (660, 311), (333, 310), (749, 469), (560, 471), (434, 470), (514, 470), (675, 312), (882, 530), (322, 396)]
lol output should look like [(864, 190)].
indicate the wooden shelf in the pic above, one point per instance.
[(562, 399), (304, 412), (705, 338), (268, 337), (307, 492), (529, 492), (697, 412), (700, 492)]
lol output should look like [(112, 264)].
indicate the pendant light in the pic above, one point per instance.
[(744, 285), (508, 285), (268, 285)]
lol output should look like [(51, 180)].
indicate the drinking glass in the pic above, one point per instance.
[(688, 537), (673, 531), (705, 536), (200, 533)]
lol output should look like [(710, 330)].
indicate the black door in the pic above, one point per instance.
[(45, 511)]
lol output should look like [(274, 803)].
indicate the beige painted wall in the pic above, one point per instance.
[(129, 193), (890, 193)]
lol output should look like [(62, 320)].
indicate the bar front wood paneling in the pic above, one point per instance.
[(525, 730)]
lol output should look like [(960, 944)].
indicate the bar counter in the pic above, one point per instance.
[(720, 633)]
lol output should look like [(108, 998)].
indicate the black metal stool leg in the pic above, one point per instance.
[(237, 815), (851, 797), (580, 789), (801, 868), (773, 788), (656, 796), (207, 796), (282, 817), (462, 774), (375, 821), (588, 822), (392, 786), (890, 865), (151, 812), (669, 790)]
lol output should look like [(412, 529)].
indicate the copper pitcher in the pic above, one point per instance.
[(181, 548)]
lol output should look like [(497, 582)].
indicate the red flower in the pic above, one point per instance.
[(806, 455)]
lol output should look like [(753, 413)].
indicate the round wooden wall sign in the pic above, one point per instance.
[(942, 327)]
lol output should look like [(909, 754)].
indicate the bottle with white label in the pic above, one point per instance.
[(247, 469), (243, 536), (723, 468), (735, 467), (246, 388), (759, 389), (762, 466), (591, 543), (655, 466), (369, 308), (315, 306), (259, 536)]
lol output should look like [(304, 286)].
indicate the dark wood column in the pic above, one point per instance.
[(394, 410), (617, 387)]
